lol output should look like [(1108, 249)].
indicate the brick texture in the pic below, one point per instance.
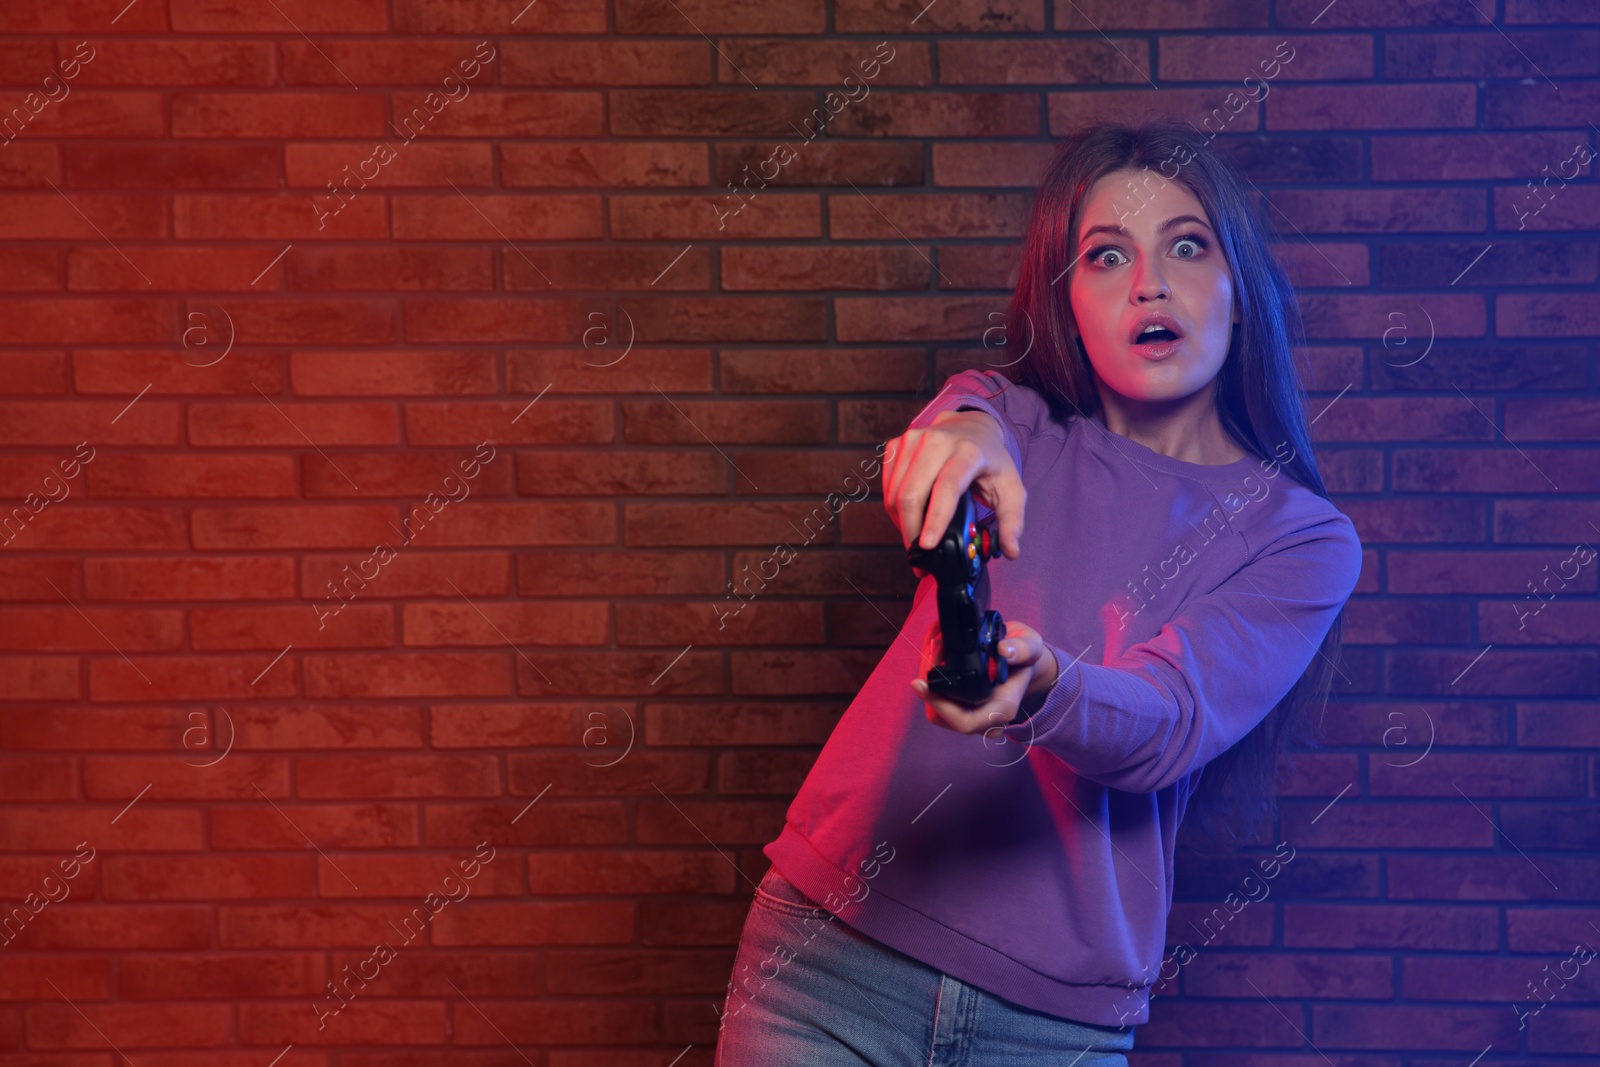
[(394, 392)]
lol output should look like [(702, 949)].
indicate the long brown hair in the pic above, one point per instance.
[(1257, 395)]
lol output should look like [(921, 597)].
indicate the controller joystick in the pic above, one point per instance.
[(972, 664)]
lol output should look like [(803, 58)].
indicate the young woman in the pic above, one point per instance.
[(990, 885)]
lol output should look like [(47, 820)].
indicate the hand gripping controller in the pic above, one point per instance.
[(972, 664)]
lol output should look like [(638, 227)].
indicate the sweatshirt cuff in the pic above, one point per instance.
[(1060, 701), (958, 401)]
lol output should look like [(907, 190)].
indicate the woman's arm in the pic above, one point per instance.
[(1167, 706)]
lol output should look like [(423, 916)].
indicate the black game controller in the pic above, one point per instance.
[(972, 665)]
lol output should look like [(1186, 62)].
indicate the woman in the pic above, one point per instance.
[(988, 885)]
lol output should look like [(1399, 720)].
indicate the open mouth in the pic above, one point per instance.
[(1155, 335)]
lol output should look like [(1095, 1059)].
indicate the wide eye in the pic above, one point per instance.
[(1192, 242), (1097, 257)]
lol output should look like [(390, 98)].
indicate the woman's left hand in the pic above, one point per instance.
[(1031, 670)]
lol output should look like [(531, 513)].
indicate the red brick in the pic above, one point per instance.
[(1043, 61), (839, 163), (785, 61), (852, 216), (1018, 164), (574, 823), (635, 572), (1161, 14), (657, 472), (487, 113), (1376, 14), (340, 373), (82, 217), (70, 629), (71, 16), (235, 629), (142, 828), (94, 728), (189, 679), (1366, 107), (554, 923), (275, 217), (488, 217), (554, 421), (286, 826), (707, 16), (63, 1026), (962, 16), (278, 114), (1070, 110), (1378, 210), (415, 572), (33, 373), (31, 978), (890, 319), (490, 17), (610, 268), (389, 270), (234, 777), (728, 215), (165, 166), (400, 876), (604, 368), (822, 369), (400, 776), (40, 677), (321, 526), (202, 16), (751, 318), (316, 165), (33, 577), (152, 475), (207, 877), (33, 778), (92, 114), (221, 976), (383, 61), (590, 165), (484, 623), (35, 270), (609, 63), (278, 421), (212, 62), (413, 476), (108, 528), (381, 1022), (520, 524), (718, 113), (497, 727), (411, 674), (87, 321), (463, 320), (934, 114), (751, 267), (190, 577), (1231, 58)]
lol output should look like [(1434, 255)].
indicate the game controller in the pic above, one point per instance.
[(972, 664)]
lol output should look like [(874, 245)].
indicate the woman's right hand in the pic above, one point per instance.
[(932, 467)]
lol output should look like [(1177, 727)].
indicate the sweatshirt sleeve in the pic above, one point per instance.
[(1167, 706), (1017, 408)]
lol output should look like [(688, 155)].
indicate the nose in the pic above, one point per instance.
[(1148, 283)]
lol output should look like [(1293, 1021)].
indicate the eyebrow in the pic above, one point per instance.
[(1172, 223)]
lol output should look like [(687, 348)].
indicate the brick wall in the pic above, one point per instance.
[(379, 505)]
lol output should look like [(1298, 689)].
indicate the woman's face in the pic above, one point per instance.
[(1165, 265)]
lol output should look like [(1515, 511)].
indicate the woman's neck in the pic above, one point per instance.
[(1187, 429)]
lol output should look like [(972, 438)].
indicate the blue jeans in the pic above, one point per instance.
[(810, 991)]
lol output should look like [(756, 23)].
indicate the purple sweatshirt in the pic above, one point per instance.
[(1182, 602)]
